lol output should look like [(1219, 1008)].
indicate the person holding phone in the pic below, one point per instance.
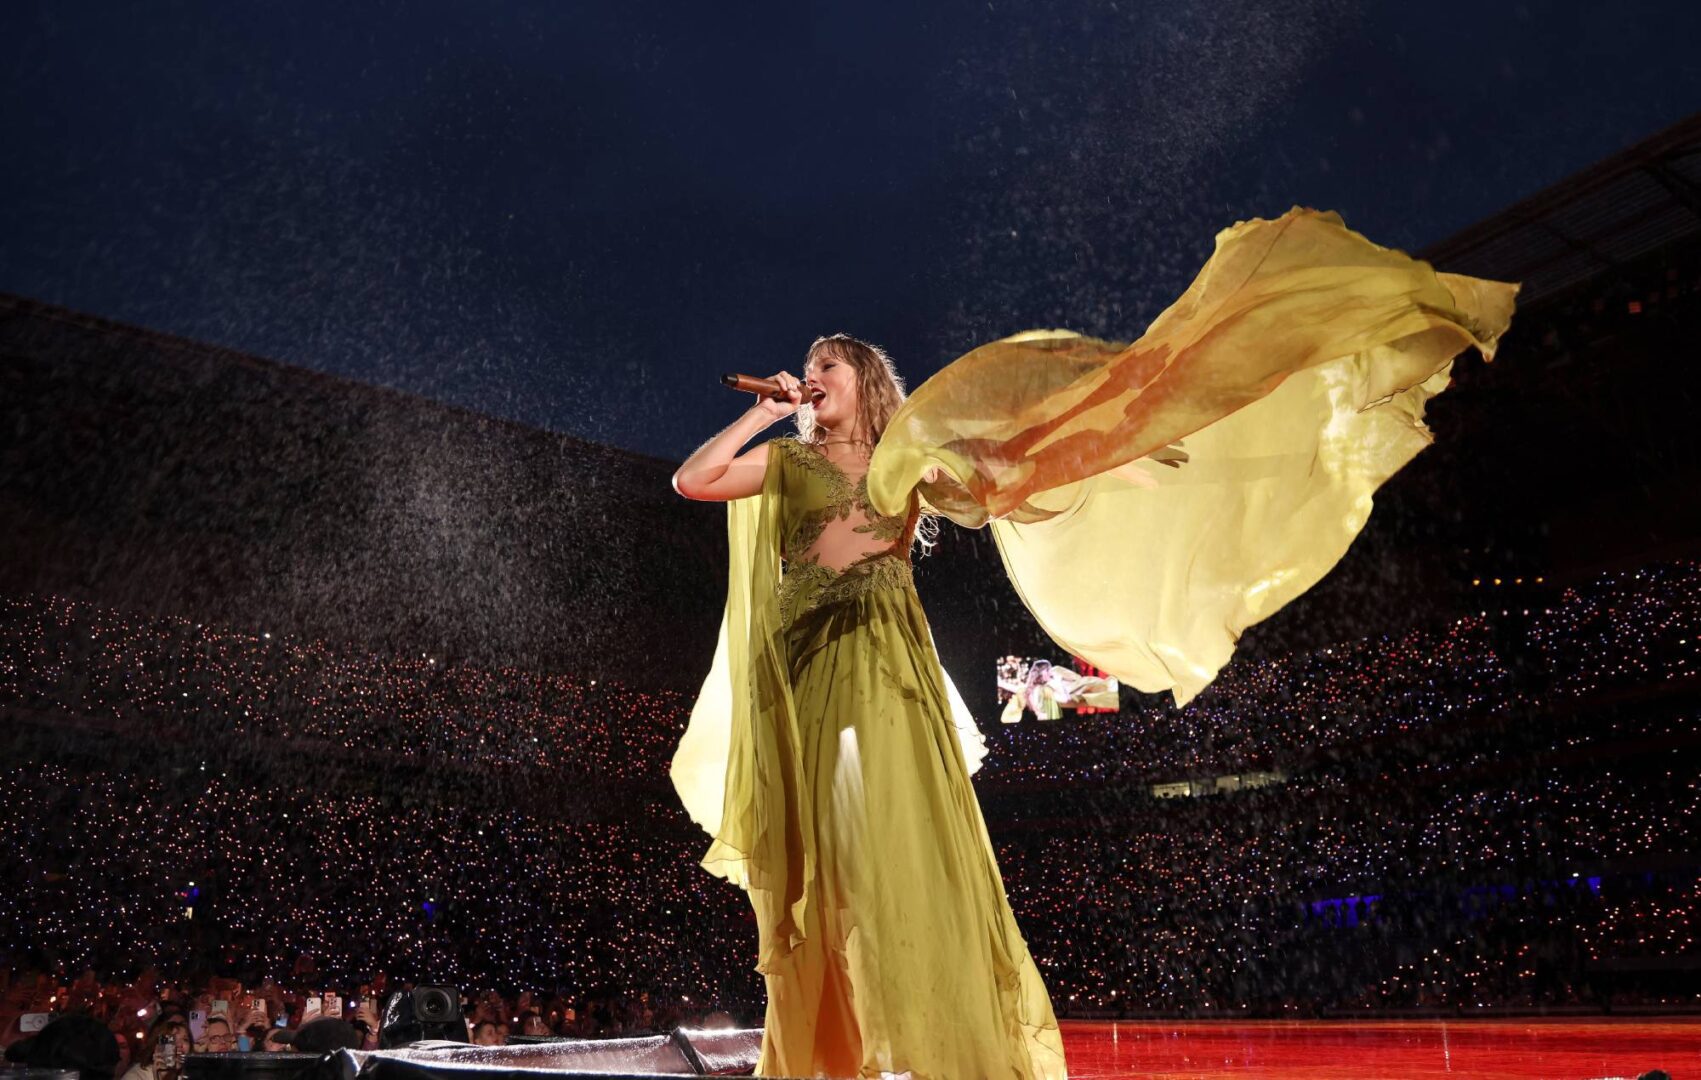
[(217, 1036), (162, 1050), (365, 1021), (277, 1040)]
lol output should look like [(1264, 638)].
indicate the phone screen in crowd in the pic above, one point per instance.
[(333, 1005), (220, 1008), (30, 1023), (310, 1010)]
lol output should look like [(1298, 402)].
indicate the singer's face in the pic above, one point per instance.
[(832, 386)]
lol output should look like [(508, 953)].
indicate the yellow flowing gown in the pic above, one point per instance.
[(1150, 502)]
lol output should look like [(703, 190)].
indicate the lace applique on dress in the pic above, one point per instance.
[(838, 485), (807, 582), (843, 501), (811, 585)]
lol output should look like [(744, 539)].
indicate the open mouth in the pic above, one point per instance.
[(816, 397)]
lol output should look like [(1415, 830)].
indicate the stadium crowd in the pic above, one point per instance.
[(1515, 817), (214, 1014), (1528, 645)]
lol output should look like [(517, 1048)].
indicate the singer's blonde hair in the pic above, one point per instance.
[(879, 393), (879, 387)]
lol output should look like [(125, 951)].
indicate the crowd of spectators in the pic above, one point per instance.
[(1237, 899), (164, 673), (214, 1014), (1529, 645), (1311, 897), (1462, 856)]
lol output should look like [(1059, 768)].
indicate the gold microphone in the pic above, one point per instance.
[(750, 384)]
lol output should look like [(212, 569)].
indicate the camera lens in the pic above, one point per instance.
[(434, 1004)]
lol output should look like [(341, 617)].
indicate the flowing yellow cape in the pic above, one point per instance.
[(1151, 501), (1294, 374)]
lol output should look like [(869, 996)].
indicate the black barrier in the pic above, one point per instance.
[(720, 1051), (259, 1065), (689, 1052), (377, 1068)]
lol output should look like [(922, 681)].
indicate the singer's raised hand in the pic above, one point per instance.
[(776, 408), (717, 471)]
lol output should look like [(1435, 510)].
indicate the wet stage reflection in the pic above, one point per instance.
[(1521, 1049)]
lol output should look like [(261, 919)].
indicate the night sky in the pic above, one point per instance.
[(578, 215)]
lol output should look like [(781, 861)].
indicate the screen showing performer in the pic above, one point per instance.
[(1045, 689)]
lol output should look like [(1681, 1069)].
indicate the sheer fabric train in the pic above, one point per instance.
[(1293, 373)]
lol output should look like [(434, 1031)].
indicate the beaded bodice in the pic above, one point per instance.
[(834, 542)]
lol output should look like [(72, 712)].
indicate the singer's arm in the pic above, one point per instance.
[(717, 472)]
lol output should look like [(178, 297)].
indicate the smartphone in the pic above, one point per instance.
[(30, 1023), (220, 1007), (310, 1009), (333, 1005)]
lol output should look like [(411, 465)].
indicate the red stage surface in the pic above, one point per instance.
[(1376, 1049)]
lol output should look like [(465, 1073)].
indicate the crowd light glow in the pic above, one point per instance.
[(1172, 906)]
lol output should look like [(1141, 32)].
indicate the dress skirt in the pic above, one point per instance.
[(911, 960)]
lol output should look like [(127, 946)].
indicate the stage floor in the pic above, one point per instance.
[(1376, 1049)]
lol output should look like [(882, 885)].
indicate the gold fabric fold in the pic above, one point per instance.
[(1293, 373), (736, 768)]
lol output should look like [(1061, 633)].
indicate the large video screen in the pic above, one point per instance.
[(1045, 689)]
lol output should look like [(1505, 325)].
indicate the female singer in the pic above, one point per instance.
[(905, 956), (828, 754)]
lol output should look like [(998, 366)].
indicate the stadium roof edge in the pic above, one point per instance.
[(1635, 202), (11, 303)]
